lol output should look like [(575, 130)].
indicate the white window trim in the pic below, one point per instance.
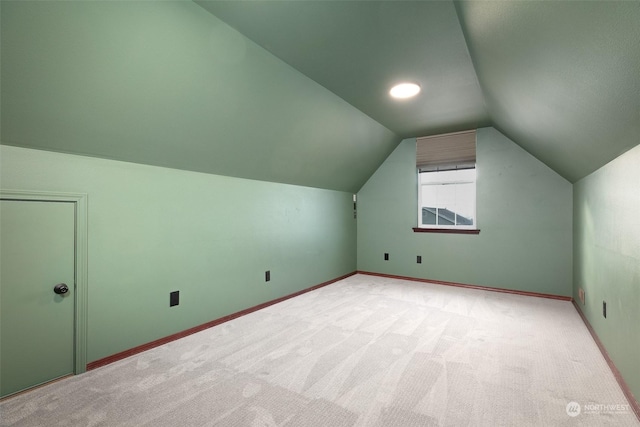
[(474, 226)]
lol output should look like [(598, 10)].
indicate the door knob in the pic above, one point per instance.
[(61, 289)]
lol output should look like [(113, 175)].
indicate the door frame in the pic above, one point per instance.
[(79, 201)]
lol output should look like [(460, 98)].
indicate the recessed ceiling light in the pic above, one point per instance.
[(404, 90)]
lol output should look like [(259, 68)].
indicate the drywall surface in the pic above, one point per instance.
[(559, 77), (168, 84), (607, 258), (155, 230), (524, 212)]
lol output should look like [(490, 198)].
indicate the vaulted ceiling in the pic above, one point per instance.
[(359, 49), (297, 91), (560, 78)]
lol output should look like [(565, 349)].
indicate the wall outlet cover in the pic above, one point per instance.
[(581, 296), (174, 298)]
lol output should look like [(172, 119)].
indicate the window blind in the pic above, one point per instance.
[(447, 151)]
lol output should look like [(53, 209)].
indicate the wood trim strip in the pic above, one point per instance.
[(633, 402), (462, 285), (446, 230), (148, 346), (35, 387)]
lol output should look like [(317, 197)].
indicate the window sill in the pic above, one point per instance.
[(446, 230)]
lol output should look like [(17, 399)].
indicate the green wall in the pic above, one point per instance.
[(166, 83), (607, 258), (154, 230), (524, 211)]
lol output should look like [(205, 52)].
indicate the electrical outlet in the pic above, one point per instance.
[(267, 275), (386, 256), (355, 207), (419, 259), (581, 296), (604, 309), (174, 298)]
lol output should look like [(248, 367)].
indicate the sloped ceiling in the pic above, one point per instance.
[(359, 49), (560, 78), (168, 84), (298, 94)]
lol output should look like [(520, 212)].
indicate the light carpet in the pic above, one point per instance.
[(364, 351)]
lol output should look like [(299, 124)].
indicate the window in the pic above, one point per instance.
[(447, 182), (447, 199)]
